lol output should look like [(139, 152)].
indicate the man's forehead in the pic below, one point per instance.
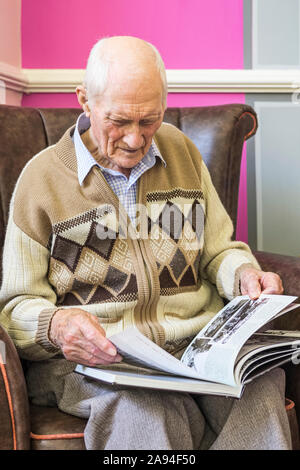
[(151, 108), (125, 86), (134, 94), (145, 101)]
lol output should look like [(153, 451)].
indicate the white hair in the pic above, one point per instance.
[(96, 73)]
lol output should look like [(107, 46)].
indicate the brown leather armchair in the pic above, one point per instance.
[(219, 133)]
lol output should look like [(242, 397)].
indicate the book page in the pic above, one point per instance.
[(252, 353), (214, 351), (265, 367), (138, 350), (261, 341)]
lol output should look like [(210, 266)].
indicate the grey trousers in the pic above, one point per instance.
[(138, 419)]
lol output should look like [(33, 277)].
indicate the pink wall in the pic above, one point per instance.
[(191, 34), (188, 33)]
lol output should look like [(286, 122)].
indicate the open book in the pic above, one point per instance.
[(230, 351)]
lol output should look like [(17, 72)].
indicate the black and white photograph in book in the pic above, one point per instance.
[(223, 327), (200, 345), (237, 320), (220, 321)]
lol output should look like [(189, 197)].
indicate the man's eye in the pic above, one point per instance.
[(118, 123), (146, 123), (142, 123)]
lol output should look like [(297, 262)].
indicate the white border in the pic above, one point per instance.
[(13, 77), (179, 81), (2, 92)]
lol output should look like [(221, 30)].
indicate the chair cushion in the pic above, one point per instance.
[(52, 429)]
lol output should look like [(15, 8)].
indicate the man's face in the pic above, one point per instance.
[(123, 122)]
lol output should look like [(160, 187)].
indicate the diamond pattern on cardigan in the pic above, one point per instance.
[(120, 256), (84, 289), (115, 280), (67, 251), (163, 248), (91, 268), (101, 268), (60, 276), (103, 246), (171, 220), (178, 264), (176, 239), (196, 218), (96, 270), (128, 294)]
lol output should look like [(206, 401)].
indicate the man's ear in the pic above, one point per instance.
[(82, 99)]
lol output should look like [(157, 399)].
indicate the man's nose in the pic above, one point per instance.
[(134, 138)]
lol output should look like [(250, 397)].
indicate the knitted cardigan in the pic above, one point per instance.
[(70, 245)]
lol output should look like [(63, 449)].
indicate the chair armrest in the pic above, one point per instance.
[(14, 406), (288, 268)]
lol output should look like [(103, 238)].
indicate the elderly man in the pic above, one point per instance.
[(67, 289)]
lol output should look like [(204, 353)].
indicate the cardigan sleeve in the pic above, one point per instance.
[(27, 300), (221, 258)]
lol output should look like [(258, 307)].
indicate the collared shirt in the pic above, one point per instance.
[(125, 188)]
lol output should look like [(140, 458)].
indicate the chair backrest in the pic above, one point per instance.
[(218, 132)]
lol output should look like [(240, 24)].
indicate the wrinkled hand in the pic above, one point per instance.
[(81, 338), (254, 282)]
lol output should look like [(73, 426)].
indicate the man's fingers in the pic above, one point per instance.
[(270, 290), (255, 282), (80, 329), (271, 283), (90, 348), (250, 285), (95, 334), (76, 354)]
